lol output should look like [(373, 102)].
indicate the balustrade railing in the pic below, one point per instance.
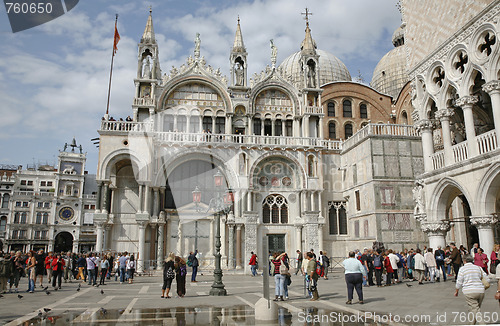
[(144, 101), (380, 129), (487, 142), (460, 152), (125, 126), (438, 160), (314, 109)]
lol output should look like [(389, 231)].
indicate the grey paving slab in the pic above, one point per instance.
[(140, 303)]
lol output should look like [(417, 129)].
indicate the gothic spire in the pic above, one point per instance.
[(238, 45), (308, 45), (149, 33)]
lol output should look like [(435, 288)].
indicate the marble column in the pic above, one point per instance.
[(320, 128), (98, 197), (147, 200), (436, 232), (298, 237), (484, 225), (142, 246), (156, 202), (229, 125), (493, 89), (159, 253), (273, 127), (249, 201), (230, 254), (238, 246), (444, 116), (105, 199), (100, 235), (313, 201), (305, 125), (141, 198), (425, 127), (467, 103)]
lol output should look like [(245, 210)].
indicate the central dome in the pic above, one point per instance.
[(330, 68)]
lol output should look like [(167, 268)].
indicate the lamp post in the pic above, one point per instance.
[(220, 205)]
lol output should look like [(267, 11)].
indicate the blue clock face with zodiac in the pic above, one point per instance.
[(66, 213)]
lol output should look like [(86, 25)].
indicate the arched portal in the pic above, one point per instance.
[(63, 242)]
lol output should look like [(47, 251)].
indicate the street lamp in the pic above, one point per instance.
[(219, 205)]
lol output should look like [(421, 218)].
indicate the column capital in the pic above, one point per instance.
[(466, 101), (436, 228), (445, 114), (424, 125), (484, 222), (492, 87), (142, 224)]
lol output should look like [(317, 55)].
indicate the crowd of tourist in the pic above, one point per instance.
[(91, 268)]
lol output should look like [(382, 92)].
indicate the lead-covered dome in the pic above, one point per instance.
[(390, 75), (330, 68)]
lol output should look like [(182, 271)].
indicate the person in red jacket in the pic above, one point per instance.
[(57, 270), (388, 268), (48, 265), (253, 264)]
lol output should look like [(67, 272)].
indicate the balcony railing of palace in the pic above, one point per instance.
[(224, 140), (486, 143)]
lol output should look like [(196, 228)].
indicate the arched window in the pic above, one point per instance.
[(16, 218), (347, 107), (348, 130), (268, 127), (181, 123), (24, 217), (194, 124), (310, 166), (332, 133), (3, 223), (337, 218), (278, 128), (257, 126), (38, 218), (207, 124), (363, 111), (404, 118), (45, 218), (275, 209), (168, 123), (331, 109), (5, 202), (220, 125)]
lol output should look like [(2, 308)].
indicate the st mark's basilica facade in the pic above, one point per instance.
[(309, 158)]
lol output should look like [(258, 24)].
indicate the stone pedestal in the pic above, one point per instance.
[(266, 310), (100, 220)]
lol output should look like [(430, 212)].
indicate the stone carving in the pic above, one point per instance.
[(436, 227), (69, 169), (197, 43), (418, 197), (424, 125), (484, 221), (467, 100), (274, 53), (445, 114), (492, 86)]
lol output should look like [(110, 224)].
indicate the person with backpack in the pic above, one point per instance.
[(326, 264), (378, 267), (285, 270), (180, 276), (168, 275), (279, 279), (312, 276), (439, 256), (131, 269)]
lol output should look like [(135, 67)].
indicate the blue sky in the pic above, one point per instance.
[(54, 77)]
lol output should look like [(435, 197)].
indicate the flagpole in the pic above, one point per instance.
[(111, 70)]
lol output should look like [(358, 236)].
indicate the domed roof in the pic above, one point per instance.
[(330, 68), (390, 75)]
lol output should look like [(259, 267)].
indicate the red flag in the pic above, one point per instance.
[(116, 40)]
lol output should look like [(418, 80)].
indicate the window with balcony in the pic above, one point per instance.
[(289, 128), (278, 128), (15, 234), (18, 204), (347, 108), (38, 219), (363, 111), (24, 218), (220, 125), (45, 218), (25, 204), (194, 124), (331, 109), (257, 126), (3, 223), (17, 217), (207, 124), (22, 234), (5, 201), (268, 128), (181, 123)]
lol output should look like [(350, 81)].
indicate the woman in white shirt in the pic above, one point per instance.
[(131, 269)]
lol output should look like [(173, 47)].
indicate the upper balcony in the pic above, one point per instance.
[(380, 129), (314, 110), (485, 143)]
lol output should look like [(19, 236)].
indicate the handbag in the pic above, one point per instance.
[(170, 273), (493, 269)]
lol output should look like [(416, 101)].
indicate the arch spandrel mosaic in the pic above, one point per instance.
[(276, 172)]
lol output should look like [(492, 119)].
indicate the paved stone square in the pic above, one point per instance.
[(140, 303)]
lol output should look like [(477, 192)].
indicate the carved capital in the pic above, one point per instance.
[(492, 87), (445, 114), (467, 101), (424, 125), (484, 222), (435, 228)]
